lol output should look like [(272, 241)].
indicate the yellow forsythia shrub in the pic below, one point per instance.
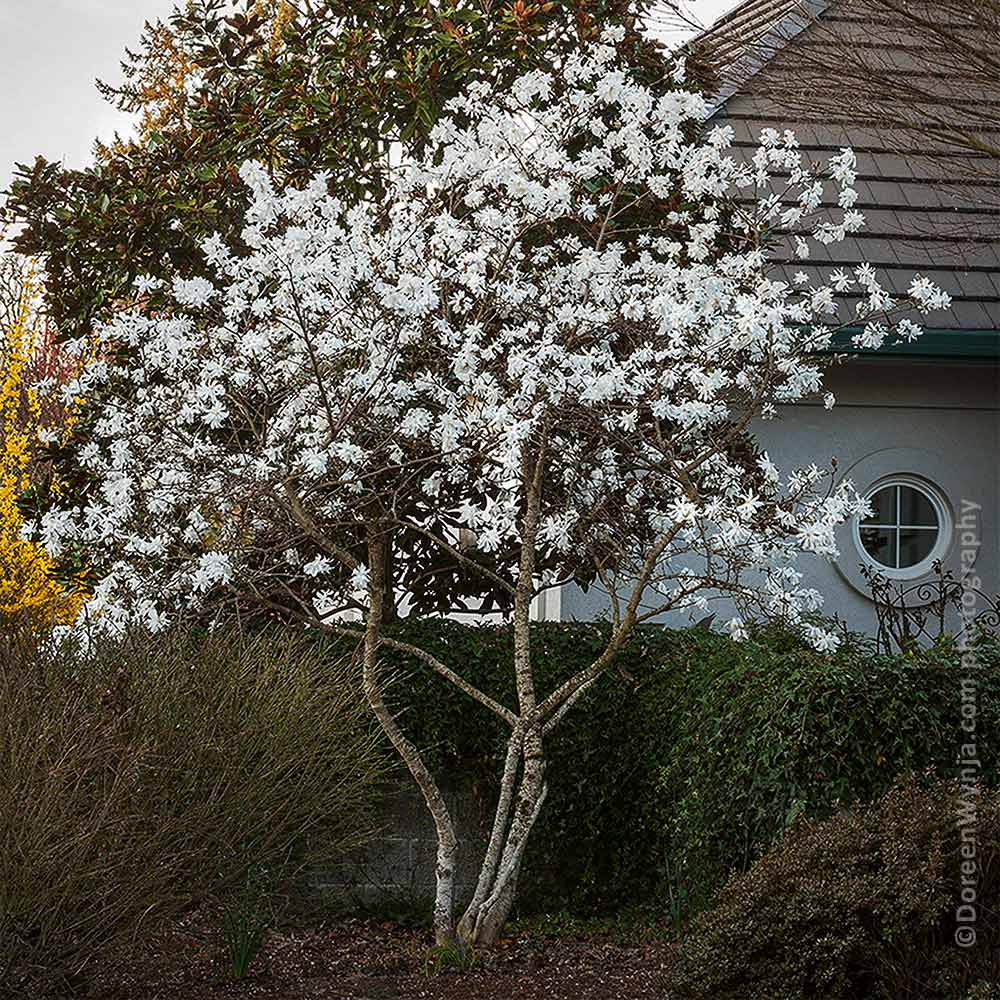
[(30, 594)]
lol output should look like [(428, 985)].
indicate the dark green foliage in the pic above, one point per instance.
[(329, 88), (245, 920), (157, 775), (859, 905), (455, 957), (601, 823), (694, 753), (778, 731)]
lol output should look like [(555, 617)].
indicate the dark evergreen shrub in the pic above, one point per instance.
[(860, 905)]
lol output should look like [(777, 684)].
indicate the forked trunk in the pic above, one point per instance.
[(523, 788), (496, 889)]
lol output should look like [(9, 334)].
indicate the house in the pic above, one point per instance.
[(916, 426)]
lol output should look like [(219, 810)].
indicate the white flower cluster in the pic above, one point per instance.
[(566, 297)]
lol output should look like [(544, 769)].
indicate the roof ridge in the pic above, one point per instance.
[(746, 9), (744, 40)]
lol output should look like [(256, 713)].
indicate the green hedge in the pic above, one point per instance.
[(774, 731), (695, 752)]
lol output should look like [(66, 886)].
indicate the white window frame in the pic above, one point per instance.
[(945, 528)]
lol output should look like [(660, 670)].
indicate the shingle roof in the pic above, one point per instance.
[(926, 211)]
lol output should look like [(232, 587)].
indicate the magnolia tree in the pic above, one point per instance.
[(556, 330)]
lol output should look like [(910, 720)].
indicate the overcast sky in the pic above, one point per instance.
[(52, 50)]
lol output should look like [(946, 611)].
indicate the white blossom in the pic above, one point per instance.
[(359, 578), (193, 291), (354, 368), (318, 566), (212, 568)]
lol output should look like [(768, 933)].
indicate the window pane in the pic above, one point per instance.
[(883, 504), (880, 544), (916, 508), (915, 545)]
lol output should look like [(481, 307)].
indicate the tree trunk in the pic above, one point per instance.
[(495, 895), (444, 917), (390, 612), (523, 789)]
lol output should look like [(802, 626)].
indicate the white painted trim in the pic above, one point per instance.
[(547, 606), (761, 52)]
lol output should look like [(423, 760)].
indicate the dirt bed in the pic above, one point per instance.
[(372, 961)]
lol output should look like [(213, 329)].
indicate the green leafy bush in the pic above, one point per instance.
[(602, 828), (155, 774), (772, 731), (859, 905), (695, 752)]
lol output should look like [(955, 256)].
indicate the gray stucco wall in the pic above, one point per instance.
[(935, 420)]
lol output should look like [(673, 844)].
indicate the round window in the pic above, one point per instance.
[(908, 529)]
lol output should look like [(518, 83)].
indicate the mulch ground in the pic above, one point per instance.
[(358, 960)]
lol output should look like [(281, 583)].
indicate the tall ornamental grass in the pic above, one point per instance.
[(154, 775)]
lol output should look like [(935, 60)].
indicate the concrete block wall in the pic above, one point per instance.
[(398, 867)]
